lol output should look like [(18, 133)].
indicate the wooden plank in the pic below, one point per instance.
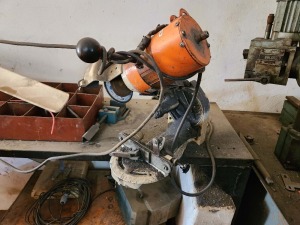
[(32, 91), (103, 211)]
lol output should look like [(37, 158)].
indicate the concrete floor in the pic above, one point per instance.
[(12, 182), (271, 204)]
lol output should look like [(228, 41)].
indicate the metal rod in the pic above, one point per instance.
[(39, 45), (270, 21), (260, 167), (242, 79)]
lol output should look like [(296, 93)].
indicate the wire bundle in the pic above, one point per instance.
[(76, 188)]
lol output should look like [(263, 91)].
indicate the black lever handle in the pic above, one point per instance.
[(88, 50)]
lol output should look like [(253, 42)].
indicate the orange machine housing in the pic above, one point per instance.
[(141, 80), (178, 50)]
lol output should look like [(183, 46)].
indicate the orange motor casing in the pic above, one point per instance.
[(141, 80), (178, 49)]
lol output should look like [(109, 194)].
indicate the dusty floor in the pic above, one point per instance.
[(12, 182), (265, 128)]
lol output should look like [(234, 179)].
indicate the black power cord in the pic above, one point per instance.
[(213, 163), (187, 111), (41, 212)]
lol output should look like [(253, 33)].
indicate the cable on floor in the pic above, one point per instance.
[(68, 192)]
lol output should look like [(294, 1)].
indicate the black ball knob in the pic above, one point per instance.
[(88, 50)]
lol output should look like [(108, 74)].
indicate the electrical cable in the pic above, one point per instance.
[(53, 122), (213, 174), (39, 45), (162, 90), (188, 110), (60, 194), (101, 193)]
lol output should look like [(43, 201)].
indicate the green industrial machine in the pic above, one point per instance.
[(288, 145)]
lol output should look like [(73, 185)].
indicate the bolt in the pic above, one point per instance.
[(264, 80), (202, 36), (206, 33), (182, 44), (249, 139)]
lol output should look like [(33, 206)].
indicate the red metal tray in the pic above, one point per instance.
[(23, 121)]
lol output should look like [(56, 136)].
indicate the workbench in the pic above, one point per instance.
[(227, 147), (234, 162), (226, 144)]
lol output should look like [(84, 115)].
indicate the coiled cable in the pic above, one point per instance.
[(77, 190)]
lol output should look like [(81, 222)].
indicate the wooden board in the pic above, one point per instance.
[(32, 91), (103, 211)]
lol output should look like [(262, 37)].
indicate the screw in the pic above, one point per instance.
[(177, 24), (182, 44), (208, 45), (183, 33), (206, 33)]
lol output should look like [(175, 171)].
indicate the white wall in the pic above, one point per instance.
[(121, 24)]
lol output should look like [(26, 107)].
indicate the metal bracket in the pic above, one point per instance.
[(160, 163), (289, 185), (134, 154), (91, 74)]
